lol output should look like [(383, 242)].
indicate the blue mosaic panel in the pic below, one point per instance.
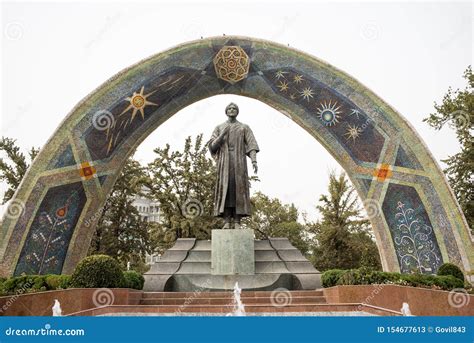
[(412, 233), (346, 122), (406, 161), (64, 159), (48, 239), (110, 128)]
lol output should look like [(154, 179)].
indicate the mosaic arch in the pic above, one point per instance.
[(417, 222)]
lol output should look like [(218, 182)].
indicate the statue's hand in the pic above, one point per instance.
[(223, 134), (255, 167)]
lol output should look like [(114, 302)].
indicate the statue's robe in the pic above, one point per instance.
[(232, 182)]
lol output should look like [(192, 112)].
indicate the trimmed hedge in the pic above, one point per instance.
[(34, 283), (451, 269), (330, 277), (366, 276), (98, 271), (133, 279)]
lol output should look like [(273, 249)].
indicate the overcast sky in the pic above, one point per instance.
[(54, 54)]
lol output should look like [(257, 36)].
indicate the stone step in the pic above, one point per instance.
[(228, 300), (244, 294), (225, 309)]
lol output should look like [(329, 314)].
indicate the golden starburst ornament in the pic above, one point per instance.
[(297, 79), (353, 132), (283, 86), (280, 74), (138, 102), (307, 93)]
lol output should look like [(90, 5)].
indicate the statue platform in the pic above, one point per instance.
[(201, 265)]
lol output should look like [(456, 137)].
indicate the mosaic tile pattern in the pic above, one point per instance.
[(389, 165)]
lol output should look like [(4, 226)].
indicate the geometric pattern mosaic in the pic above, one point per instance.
[(417, 221), (412, 232), (51, 231)]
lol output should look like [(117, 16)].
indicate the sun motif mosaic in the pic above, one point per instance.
[(329, 113)]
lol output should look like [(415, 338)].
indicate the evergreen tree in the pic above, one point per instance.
[(182, 182), (457, 109), (121, 232), (14, 167), (342, 236)]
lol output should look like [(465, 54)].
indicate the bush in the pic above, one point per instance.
[(451, 269), (24, 284), (54, 282), (133, 279), (349, 277), (98, 271), (330, 277), (34, 283), (365, 276)]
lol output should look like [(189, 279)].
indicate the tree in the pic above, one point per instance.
[(457, 109), (120, 231), (271, 218), (342, 236), (15, 166), (182, 182)]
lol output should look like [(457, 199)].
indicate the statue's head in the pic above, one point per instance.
[(232, 110)]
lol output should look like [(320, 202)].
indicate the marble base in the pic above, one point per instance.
[(232, 252)]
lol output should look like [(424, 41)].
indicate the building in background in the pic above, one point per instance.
[(149, 210)]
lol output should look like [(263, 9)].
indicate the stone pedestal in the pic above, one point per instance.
[(232, 252), (186, 267)]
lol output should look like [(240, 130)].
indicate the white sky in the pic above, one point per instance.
[(54, 54)]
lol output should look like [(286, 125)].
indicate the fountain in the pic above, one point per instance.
[(239, 308), (406, 309), (57, 312)]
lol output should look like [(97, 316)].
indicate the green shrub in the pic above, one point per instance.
[(451, 269), (365, 276), (54, 282), (349, 277), (24, 284), (98, 271), (133, 279), (330, 277)]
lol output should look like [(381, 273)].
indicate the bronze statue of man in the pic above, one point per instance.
[(229, 145)]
